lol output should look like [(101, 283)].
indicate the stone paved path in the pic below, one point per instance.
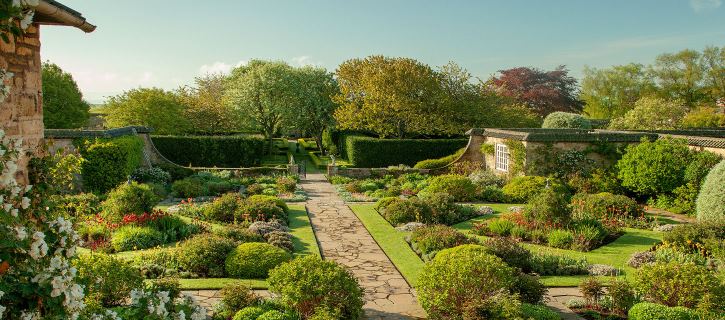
[(208, 298), (557, 297), (344, 239)]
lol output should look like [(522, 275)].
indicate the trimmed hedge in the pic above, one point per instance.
[(211, 151), (108, 162), (367, 152)]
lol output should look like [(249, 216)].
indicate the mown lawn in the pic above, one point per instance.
[(410, 265), (304, 240)]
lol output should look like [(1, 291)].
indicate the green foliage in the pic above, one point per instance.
[(63, 171), (592, 289), (553, 265), (151, 175), (460, 187), (254, 260), (211, 151), (235, 296), (566, 120), (286, 184), (653, 311), (621, 294), (700, 166), (128, 198), (366, 152), (560, 238), (501, 227), (430, 239), (710, 201), (611, 92), (510, 252), (603, 205), (704, 117), (136, 238), (399, 212), (107, 280), (529, 288), (440, 162), (263, 207), (108, 162), (203, 110), (517, 156), (651, 113), (524, 188), (459, 277), (63, 105), (651, 168), (84, 205), (190, 187), (205, 254), (538, 312), (224, 208), (548, 206), (249, 313), (152, 107), (488, 149), (657, 282), (309, 285)]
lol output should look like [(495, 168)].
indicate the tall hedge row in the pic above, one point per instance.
[(109, 162), (366, 152), (211, 151)]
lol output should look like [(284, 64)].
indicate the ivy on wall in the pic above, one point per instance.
[(517, 156)]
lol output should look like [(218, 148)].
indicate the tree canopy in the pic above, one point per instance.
[(63, 104), (651, 113), (154, 107), (204, 109), (611, 92), (314, 109)]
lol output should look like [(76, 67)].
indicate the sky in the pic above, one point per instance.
[(165, 43)]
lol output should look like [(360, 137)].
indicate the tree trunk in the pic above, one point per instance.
[(318, 140)]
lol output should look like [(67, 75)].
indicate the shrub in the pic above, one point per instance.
[(173, 228), (621, 294), (280, 239), (136, 238), (238, 234), (522, 189), (529, 288), (151, 175), (263, 228), (588, 234), (309, 285), (492, 194), (224, 208), (695, 236), (254, 260), (263, 207), (677, 284), (591, 289), (366, 152), (500, 306), (603, 205), (710, 201), (462, 276), (191, 187), (340, 180), (235, 296), (445, 211), (653, 311), (538, 312), (510, 252), (383, 203), (168, 284), (501, 227), (108, 280), (440, 162), (286, 184), (639, 259), (651, 168), (411, 210), (205, 255), (486, 178), (548, 206), (128, 198), (211, 151), (566, 120), (109, 162), (700, 166), (249, 313), (556, 265), (430, 239), (77, 206), (560, 238), (460, 187)]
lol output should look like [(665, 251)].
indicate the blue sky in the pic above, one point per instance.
[(167, 43)]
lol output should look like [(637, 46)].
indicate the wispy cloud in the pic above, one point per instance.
[(219, 67), (302, 61), (703, 5)]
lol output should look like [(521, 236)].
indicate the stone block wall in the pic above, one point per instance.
[(21, 114)]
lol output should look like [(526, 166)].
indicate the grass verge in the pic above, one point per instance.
[(303, 238)]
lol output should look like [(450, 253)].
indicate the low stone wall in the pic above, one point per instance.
[(362, 173)]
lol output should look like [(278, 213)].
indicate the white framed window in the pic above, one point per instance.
[(502, 157)]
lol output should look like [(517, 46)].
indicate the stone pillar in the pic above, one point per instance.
[(293, 169), (331, 170), (21, 114)]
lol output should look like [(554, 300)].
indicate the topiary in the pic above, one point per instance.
[(135, 238), (205, 255), (224, 208), (566, 120), (128, 198), (309, 284), (458, 186), (109, 162), (653, 311), (459, 277), (254, 260), (711, 202), (651, 168), (107, 280), (655, 283)]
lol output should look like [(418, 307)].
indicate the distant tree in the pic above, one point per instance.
[(63, 105), (154, 107), (681, 76), (713, 60), (205, 110), (392, 97), (542, 91), (611, 92), (314, 108), (651, 113), (263, 92), (704, 117)]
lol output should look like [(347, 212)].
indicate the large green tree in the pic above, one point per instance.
[(63, 104), (154, 107), (611, 92), (651, 113), (681, 76), (313, 110), (263, 92), (205, 111)]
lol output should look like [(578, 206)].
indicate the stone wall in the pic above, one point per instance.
[(21, 114)]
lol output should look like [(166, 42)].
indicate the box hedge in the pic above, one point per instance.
[(211, 151), (367, 152), (108, 162)]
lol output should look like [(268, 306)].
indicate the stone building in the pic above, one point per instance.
[(518, 151), (21, 114)]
